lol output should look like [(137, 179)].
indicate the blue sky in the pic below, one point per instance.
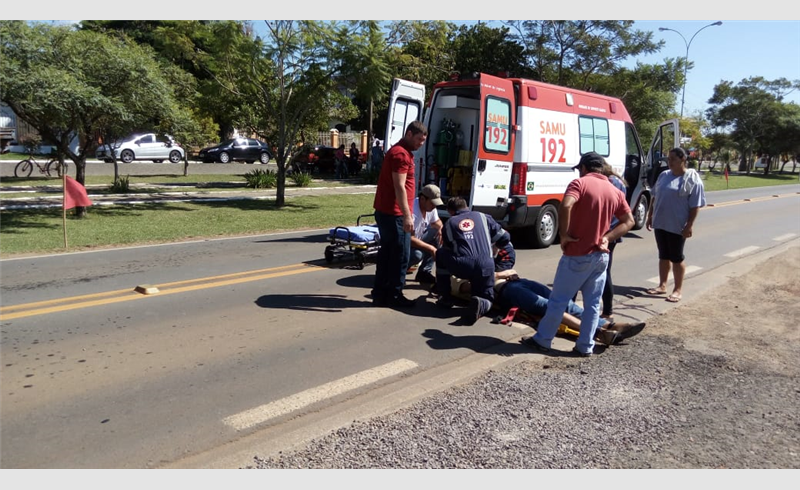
[(735, 50)]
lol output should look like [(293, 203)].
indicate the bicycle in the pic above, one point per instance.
[(25, 167)]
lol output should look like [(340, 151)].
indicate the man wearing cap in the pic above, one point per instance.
[(427, 236), (584, 216)]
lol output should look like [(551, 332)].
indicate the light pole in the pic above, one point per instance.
[(686, 60)]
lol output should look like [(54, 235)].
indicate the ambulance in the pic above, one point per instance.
[(509, 145)]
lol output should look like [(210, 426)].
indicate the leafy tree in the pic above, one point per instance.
[(292, 79), (425, 53), (58, 80), (480, 48), (752, 111), (568, 53)]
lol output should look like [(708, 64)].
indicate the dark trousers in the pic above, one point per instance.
[(392, 258), (478, 270), (608, 290)]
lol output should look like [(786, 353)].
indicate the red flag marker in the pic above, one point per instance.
[(75, 194)]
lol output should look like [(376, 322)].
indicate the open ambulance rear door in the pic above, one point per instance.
[(406, 103), (492, 172)]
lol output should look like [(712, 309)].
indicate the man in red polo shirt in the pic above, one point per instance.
[(584, 217), (394, 198)]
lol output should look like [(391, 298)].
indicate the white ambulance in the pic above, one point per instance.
[(508, 146)]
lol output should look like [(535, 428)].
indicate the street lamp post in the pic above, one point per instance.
[(686, 60)]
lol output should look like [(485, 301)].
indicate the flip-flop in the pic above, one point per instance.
[(654, 291), (673, 299)]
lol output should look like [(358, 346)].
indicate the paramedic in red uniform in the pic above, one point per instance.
[(394, 198), (584, 218)]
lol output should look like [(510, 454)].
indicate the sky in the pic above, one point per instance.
[(736, 50)]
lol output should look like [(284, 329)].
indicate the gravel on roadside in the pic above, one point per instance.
[(710, 384)]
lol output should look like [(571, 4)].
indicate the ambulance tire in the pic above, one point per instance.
[(544, 232), (640, 213)]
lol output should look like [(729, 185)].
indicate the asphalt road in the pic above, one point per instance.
[(248, 334)]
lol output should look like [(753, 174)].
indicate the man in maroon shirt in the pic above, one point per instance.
[(583, 219), (394, 198)]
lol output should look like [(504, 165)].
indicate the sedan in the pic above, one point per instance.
[(143, 147), (238, 149)]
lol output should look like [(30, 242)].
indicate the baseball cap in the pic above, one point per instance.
[(590, 160), (433, 194)]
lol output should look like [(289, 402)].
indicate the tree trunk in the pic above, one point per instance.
[(185, 163), (280, 198), (80, 176)]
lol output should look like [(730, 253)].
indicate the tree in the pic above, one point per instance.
[(292, 80), (568, 53), (752, 110), (484, 49), (58, 80)]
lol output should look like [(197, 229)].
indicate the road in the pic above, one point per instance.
[(248, 334)]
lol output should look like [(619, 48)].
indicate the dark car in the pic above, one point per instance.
[(315, 159), (238, 149)]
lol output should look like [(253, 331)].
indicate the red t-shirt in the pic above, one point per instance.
[(597, 201), (398, 159)]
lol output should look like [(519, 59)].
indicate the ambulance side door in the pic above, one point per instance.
[(664, 139), (405, 106), (491, 179)]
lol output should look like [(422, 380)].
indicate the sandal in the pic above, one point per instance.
[(655, 291), (674, 298)]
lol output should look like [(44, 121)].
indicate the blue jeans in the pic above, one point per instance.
[(587, 274), (532, 297), (423, 256), (392, 258)]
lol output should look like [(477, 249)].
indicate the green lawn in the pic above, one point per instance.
[(41, 231), (715, 181)]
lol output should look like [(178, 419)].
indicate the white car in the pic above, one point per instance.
[(762, 162), (147, 146)]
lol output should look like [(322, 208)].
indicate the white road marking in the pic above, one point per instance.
[(742, 251), (784, 237), (689, 270), (258, 415)]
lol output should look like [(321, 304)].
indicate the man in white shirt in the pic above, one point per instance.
[(427, 232)]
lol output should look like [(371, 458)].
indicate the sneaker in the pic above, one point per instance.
[(401, 301), (476, 309), (425, 277), (626, 330), (533, 344), (606, 336), (581, 354)]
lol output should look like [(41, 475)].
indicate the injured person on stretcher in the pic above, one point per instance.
[(526, 300)]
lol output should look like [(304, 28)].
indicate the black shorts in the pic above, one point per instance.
[(670, 246)]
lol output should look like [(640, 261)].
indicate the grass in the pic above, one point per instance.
[(715, 181), (40, 231)]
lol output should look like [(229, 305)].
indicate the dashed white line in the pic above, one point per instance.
[(742, 251), (258, 415), (689, 270), (784, 237)]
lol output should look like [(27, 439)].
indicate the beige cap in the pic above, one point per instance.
[(433, 194)]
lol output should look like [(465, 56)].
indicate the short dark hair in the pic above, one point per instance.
[(416, 127), (456, 203), (679, 152)]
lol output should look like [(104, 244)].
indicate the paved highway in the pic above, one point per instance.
[(246, 334)]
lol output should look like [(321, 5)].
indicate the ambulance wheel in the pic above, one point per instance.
[(546, 227), (329, 254), (640, 213)]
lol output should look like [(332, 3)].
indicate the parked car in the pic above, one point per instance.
[(238, 149), (147, 146), (315, 159)]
